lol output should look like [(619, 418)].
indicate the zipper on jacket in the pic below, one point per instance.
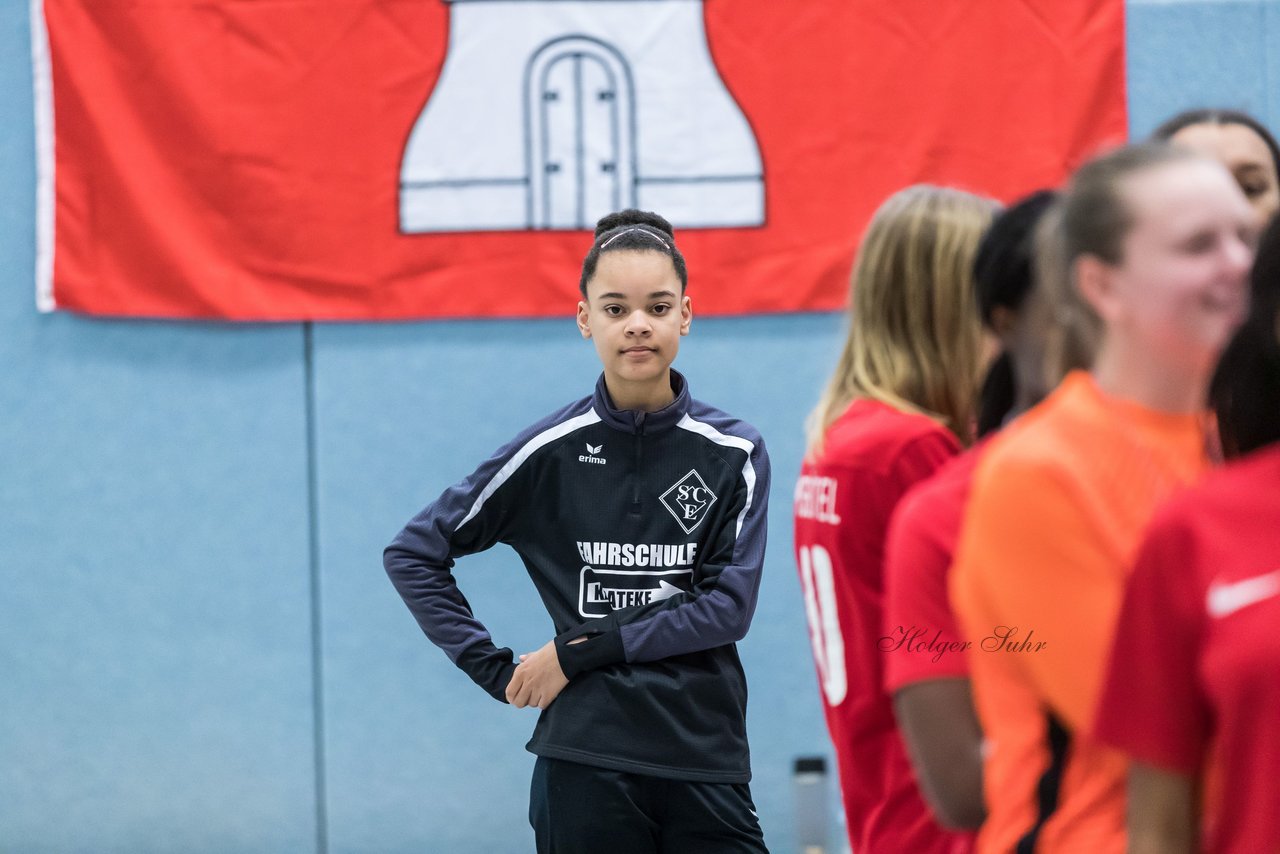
[(638, 441)]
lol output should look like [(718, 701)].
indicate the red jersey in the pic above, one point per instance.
[(922, 639), (871, 456), (1197, 653)]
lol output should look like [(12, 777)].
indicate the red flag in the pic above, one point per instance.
[(382, 159)]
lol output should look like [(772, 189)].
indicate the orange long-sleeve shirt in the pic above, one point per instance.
[(1058, 507)]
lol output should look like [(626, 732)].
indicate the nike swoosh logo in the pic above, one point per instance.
[(1225, 599)]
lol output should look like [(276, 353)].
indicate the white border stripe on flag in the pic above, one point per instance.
[(43, 78)]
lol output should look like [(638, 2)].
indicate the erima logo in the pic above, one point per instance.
[(603, 591), (590, 455), (688, 500)]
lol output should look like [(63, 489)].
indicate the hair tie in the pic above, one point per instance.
[(640, 229)]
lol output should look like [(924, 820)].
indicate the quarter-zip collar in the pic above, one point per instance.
[(640, 422)]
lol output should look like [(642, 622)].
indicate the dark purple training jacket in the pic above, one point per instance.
[(645, 534)]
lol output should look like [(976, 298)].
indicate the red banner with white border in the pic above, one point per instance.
[(396, 159)]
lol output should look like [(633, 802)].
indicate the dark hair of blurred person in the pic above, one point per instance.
[(1241, 143), (1002, 274), (1245, 392)]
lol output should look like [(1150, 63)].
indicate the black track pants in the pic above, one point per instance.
[(579, 809)]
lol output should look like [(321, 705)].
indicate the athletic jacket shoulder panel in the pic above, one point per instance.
[(733, 439), (558, 426)]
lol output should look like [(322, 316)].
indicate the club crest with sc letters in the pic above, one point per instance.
[(689, 500)]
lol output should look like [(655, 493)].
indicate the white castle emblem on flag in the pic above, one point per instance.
[(549, 114)]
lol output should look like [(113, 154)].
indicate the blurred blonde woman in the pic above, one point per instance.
[(932, 698), (899, 404)]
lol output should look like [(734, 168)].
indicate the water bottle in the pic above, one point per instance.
[(811, 800)]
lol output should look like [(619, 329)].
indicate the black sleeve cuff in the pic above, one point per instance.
[(603, 646), (489, 667)]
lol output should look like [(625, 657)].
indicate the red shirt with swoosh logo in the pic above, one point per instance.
[(1196, 660)]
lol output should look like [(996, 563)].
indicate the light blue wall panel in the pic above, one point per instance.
[(417, 755), (1220, 53), (419, 758), (154, 617), (1271, 62), (154, 633)]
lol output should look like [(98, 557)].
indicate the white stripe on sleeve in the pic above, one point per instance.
[(748, 471), (526, 450)]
